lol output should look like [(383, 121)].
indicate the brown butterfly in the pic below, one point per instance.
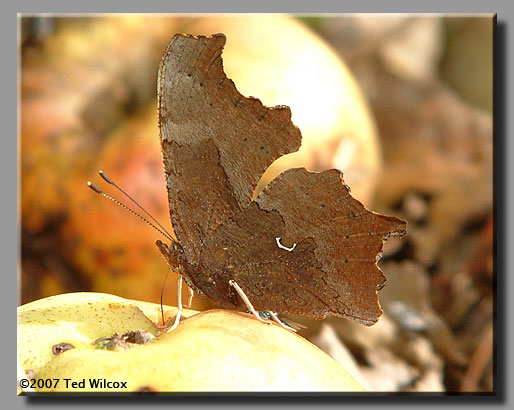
[(304, 246)]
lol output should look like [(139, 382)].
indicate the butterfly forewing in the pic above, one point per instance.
[(216, 144)]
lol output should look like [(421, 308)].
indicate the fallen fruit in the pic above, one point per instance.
[(216, 350)]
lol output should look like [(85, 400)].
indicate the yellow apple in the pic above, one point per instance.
[(215, 350)]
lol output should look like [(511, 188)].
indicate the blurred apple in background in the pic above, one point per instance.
[(88, 102)]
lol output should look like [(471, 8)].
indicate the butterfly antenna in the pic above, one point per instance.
[(98, 191), (110, 181)]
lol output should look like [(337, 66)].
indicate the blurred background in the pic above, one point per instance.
[(402, 104)]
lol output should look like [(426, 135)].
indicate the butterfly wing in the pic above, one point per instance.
[(304, 246), (216, 144), (311, 249)]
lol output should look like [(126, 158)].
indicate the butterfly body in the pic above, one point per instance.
[(304, 246)]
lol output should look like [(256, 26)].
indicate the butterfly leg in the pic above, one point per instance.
[(191, 294), (247, 302), (281, 323), (179, 305)]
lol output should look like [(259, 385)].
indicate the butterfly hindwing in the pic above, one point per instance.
[(306, 247)]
